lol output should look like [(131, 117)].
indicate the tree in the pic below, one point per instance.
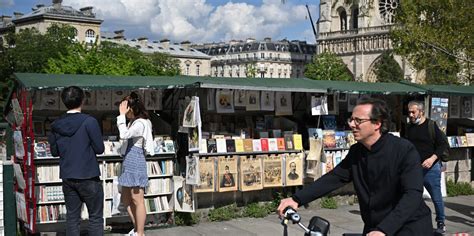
[(327, 66), (437, 36), (251, 70), (387, 69)]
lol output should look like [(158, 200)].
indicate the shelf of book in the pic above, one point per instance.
[(246, 153)]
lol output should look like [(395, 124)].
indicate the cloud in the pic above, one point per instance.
[(196, 20)]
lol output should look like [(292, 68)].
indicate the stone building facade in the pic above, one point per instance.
[(192, 61), (84, 21), (358, 32), (266, 58)]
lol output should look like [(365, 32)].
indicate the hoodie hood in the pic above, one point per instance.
[(68, 124)]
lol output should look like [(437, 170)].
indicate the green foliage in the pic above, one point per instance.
[(328, 202), (459, 188), (437, 36), (186, 218), (257, 210), (251, 71), (327, 66), (224, 213), (387, 69)]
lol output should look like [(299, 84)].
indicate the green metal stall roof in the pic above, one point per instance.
[(445, 89), (368, 88), (92, 82)]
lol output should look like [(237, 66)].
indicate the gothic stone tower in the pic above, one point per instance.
[(358, 32)]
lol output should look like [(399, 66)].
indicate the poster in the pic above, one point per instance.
[(192, 170), (466, 107), (89, 100), (439, 112), (183, 195), (153, 99), (104, 99), (454, 106), (227, 171), (206, 175), (189, 117), (272, 171), (50, 100), (352, 101), (294, 169), (224, 101), (267, 101), (211, 99), (283, 104), (117, 97), (17, 112), (252, 101), (319, 105), (251, 173), (239, 98)]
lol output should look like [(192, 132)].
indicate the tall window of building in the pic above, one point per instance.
[(90, 36), (278, 55), (355, 18), (343, 19), (76, 36), (254, 55), (262, 55), (270, 55), (187, 69), (198, 70)]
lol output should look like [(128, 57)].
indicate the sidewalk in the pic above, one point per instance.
[(344, 219)]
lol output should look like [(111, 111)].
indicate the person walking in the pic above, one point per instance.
[(137, 142), (77, 139), (386, 174), (418, 132)]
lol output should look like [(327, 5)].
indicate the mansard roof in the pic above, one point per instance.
[(62, 12)]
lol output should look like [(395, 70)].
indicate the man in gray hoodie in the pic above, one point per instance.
[(76, 138)]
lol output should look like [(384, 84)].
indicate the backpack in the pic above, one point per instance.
[(431, 129)]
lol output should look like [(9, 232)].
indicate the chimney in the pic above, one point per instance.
[(119, 34), (87, 10), (185, 44), (165, 43), (57, 4), (143, 40), (6, 19), (17, 14), (267, 40), (250, 40)]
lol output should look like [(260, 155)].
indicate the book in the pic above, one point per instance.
[(350, 140), (264, 143), (272, 144), (281, 144), (276, 133), (203, 146), (169, 145), (230, 144), (298, 142), (257, 145), (329, 122), (211, 146), (289, 142), (248, 145), (329, 139), (470, 139), (239, 145), (263, 134), (221, 145), (340, 137)]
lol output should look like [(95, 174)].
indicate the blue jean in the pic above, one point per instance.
[(90, 192), (432, 183)]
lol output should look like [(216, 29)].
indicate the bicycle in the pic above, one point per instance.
[(318, 226)]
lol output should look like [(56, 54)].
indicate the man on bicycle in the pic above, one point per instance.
[(386, 174)]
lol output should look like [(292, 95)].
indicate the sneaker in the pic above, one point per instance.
[(132, 233), (441, 228)]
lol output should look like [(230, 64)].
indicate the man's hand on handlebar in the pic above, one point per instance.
[(375, 233), (287, 202)]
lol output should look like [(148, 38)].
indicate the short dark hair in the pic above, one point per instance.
[(72, 97), (380, 112)]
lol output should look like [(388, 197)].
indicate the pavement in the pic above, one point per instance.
[(345, 219)]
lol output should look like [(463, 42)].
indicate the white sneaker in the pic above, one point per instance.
[(132, 233)]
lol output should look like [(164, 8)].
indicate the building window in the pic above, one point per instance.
[(262, 55), (278, 55), (270, 55), (343, 20), (198, 70), (90, 36), (355, 18), (187, 69), (254, 55)]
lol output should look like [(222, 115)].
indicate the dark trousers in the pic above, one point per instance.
[(90, 192)]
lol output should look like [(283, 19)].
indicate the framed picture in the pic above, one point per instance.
[(104, 100), (294, 169), (49, 100), (252, 100), (206, 175), (183, 195), (224, 101), (466, 107), (342, 97), (283, 104), (153, 99), (89, 100), (239, 98), (267, 101), (319, 105), (192, 170), (227, 173), (352, 101), (251, 173), (454, 106), (117, 96)]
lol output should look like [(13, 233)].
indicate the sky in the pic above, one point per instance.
[(198, 21)]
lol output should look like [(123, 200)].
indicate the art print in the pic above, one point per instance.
[(192, 170), (211, 99), (183, 195), (49, 100), (352, 101), (206, 175), (89, 100), (104, 100), (272, 171), (227, 173), (117, 97), (239, 98), (251, 173), (253, 101), (342, 97), (466, 107), (189, 118), (454, 106), (294, 169), (283, 104), (319, 105), (153, 99), (267, 101), (224, 101)]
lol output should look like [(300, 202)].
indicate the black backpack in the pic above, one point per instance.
[(431, 129)]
